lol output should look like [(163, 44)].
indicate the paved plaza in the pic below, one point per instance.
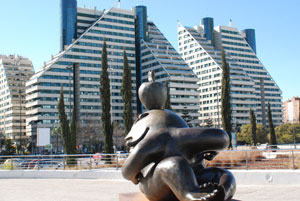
[(109, 190)]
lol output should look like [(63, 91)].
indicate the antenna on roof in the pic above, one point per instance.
[(230, 23), (119, 3), (179, 24)]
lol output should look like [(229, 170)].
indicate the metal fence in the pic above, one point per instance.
[(269, 158), (233, 159), (62, 162)]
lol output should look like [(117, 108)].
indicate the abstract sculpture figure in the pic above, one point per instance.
[(166, 156)]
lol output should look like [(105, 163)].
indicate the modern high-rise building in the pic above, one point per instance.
[(68, 22), (80, 60), (14, 72), (251, 84), (79, 64), (291, 110), (159, 56)]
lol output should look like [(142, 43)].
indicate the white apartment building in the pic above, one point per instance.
[(159, 55), (120, 28), (43, 89), (291, 110), (15, 70), (251, 85)]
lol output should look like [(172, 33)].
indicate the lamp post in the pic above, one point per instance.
[(295, 147), (111, 69), (70, 109), (294, 137), (217, 81), (20, 110), (20, 106)]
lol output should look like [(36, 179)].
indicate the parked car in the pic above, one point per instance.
[(45, 164), (49, 165), (25, 163), (97, 156)]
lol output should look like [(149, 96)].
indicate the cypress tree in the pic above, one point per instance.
[(68, 136), (105, 102), (127, 95), (168, 101), (253, 127), (225, 98), (65, 129), (273, 140)]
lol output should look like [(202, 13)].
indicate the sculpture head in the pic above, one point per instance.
[(153, 95)]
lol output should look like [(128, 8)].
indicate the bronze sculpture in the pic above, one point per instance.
[(166, 156)]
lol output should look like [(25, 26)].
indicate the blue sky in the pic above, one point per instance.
[(31, 28)]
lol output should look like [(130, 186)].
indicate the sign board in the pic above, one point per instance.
[(43, 137), (48, 146)]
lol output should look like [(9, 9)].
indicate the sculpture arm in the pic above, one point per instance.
[(197, 140), (150, 149)]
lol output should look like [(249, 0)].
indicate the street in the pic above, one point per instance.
[(109, 190)]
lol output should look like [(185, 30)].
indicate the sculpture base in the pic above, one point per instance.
[(132, 197)]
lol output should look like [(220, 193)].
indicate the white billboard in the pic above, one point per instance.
[(43, 137)]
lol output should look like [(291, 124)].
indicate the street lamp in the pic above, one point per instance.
[(20, 110), (217, 81), (111, 69), (17, 63), (295, 147), (70, 68)]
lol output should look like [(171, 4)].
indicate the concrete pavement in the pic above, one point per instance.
[(109, 190)]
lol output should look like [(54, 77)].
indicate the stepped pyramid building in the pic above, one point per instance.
[(78, 66), (14, 72), (80, 60), (158, 55), (251, 84)]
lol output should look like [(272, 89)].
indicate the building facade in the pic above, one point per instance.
[(251, 84), (14, 72), (116, 26), (291, 110), (159, 56), (68, 22), (79, 64)]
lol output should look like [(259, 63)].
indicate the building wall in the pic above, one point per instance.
[(206, 61), (266, 89), (140, 34), (118, 27), (291, 110), (68, 22), (43, 89), (250, 38), (159, 55), (247, 72), (14, 72)]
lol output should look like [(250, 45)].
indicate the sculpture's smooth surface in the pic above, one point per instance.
[(152, 94), (166, 159)]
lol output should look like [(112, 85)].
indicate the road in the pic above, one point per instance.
[(109, 190)]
